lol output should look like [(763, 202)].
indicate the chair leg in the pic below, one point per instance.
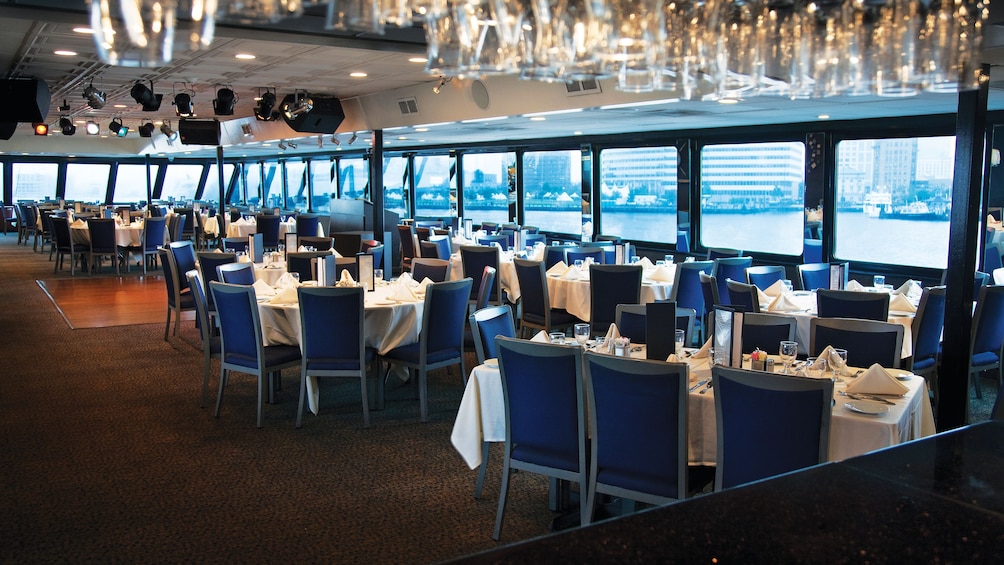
[(219, 394), (423, 393), (481, 472), (502, 499), (587, 517), (167, 326), (262, 383), (206, 365), (303, 394), (976, 383), (365, 395), (177, 321)]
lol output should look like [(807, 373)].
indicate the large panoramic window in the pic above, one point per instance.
[(552, 189), (893, 200), (252, 178), (752, 196), (638, 193), (353, 177), (86, 182), (323, 185), (395, 185), (271, 186), (130, 182), (211, 193), (489, 180), (296, 186), (34, 181), (435, 186), (181, 182)]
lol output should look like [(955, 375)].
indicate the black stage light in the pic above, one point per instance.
[(118, 128), (265, 110), (147, 129), (223, 104), (65, 107), (144, 96), (95, 98), (184, 103), (66, 126)]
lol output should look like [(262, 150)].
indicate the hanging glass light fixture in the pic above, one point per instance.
[(141, 33)]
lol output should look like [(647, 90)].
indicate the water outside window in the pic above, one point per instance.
[(271, 186), (181, 182), (552, 189), (211, 192), (489, 180), (638, 193), (435, 186), (395, 185), (130, 182), (296, 186), (324, 187), (752, 197), (252, 176), (353, 175), (87, 182), (34, 181), (894, 200)]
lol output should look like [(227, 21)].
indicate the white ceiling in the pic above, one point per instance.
[(302, 56)]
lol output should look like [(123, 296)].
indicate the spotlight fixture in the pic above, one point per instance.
[(147, 129), (183, 101), (65, 107), (118, 128), (95, 98), (334, 139), (291, 145), (442, 82), (265, 110), (41, 128), (353, 138), (144, 96), (282, 145), (300, 104), (92, 128), (171, 135), (66, 126), (223, 104), (320, 141), (246, 128)]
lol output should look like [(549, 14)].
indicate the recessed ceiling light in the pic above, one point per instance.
[(245, 56), (82, 29), (65, 53), (402, 138), (421, 129), (576, 133), (418, 60), (537, 118), (728, 101), (120, 106), (823, 116), (358, 74)]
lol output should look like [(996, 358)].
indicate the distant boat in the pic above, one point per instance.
[(917, 210), (877, 204)]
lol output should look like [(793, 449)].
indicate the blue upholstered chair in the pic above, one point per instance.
[(535, 304), (208, 261), (332, 339), (235, 244), (745, 296), (926, 329), (178, 301), (211, 344), (814, 275), (500, 239), (866, 341), (852, 304), (766, 331), (792, 431), (184, 259), (726, 268), (688, 294), (409, 244), (764, 275), (637, 429), (475, 258), (64, 245), (242, 348), (236, 273), (441, 341), (545, 421), (553, 255), (306, 226), (103, 244), (268, 227), (988, 335), (573, 254), (610, 285), (436, 270), (812, 250)]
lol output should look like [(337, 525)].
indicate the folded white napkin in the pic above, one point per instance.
[(662, 274), (703, 351), (302, 249), (673, 358), (557, 269), (764, 298), (335, 253), (78, 223), (999, 276), (775, 289), (901, 303), (217, 250), (541, 337), (833, 360), (424, 285), (612, 333), (853, 285), (573, 274), (407, 280), (875, 380), (262, 289), (285, 296), (346, 280), (286, 280), (646, 263), (241, 222), (539, 250), (290, 221), (782, 304), (244, 259), (906, 287), (403, 292)]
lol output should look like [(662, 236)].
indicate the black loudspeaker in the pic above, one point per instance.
[(24, 100), (199, 132), (7, 129), (324, 117)]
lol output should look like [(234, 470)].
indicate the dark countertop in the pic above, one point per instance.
[(940, 499)]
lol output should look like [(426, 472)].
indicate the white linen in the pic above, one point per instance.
[(782, 304), (764, 298), (854, 285), (834, 360), (646, 263), (900, 303), (704, 351), (403, 293), (875, 380), (285, 296), (557, 269), (541, 337), (270, 273), (662, 274), (573, 296), (775, 289), (262, 289), (505, 275), (406, 279)]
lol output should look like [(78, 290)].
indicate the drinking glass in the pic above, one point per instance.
[(680, 335), (815, 368), (581, 333), (787, 352), (668, 259), (557, 338), (296, 276), (578, 264), (787, 284), (378, 274), (635, 259), (842, 353), (878, 281)]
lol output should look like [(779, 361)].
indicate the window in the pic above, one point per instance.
[(296, 186), (252, 176), (893, 200), (211, 193), (34, 181), (130, 182), (271, 186), (638, 193), (395, 185), (552, 189), (489, 179), (88, 182), (435, 186), (181, 182), (354, 177), (752, 196), (324, 187)]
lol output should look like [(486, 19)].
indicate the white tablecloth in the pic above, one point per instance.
[(386, 323), (573, 295), (242, 229), (481, 417), (125, 236), (269, 273)]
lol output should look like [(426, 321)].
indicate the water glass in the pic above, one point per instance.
[(296, 276), (787, 284), (815, 368), (842, 353), (679, 338), (578, 264), (668, 259), (378, 274), (635, 259), (787, 352), (878, 281), (557, 338), (581, 332)]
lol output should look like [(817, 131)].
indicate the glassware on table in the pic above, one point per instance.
[(295, 275), (787, 284), (679, 338), (378, 275), (557, 337), (635, 259), (842, 353), (815, 367), (578, 264), (787, 353), (622, 346), (878, 281), (668, 259), (581, 332)]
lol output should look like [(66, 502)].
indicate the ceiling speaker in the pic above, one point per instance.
[(24, 100), (7, 129), (479, 92), (199, 132), (324, 116)]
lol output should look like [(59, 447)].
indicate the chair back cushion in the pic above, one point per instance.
[(852, 304), (238, 317), (444, 315)]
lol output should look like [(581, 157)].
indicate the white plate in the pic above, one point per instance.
[(493, 363), (902, 313), (384, 303), (866, 407)]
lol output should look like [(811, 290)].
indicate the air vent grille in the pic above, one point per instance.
[(407, 106), (580, 87)]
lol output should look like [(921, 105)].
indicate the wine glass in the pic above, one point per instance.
[(581, 332), (679, 338), (787, 352)]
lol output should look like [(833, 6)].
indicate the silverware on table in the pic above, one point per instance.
[(859, 396), (706, 388), (698, 385)]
